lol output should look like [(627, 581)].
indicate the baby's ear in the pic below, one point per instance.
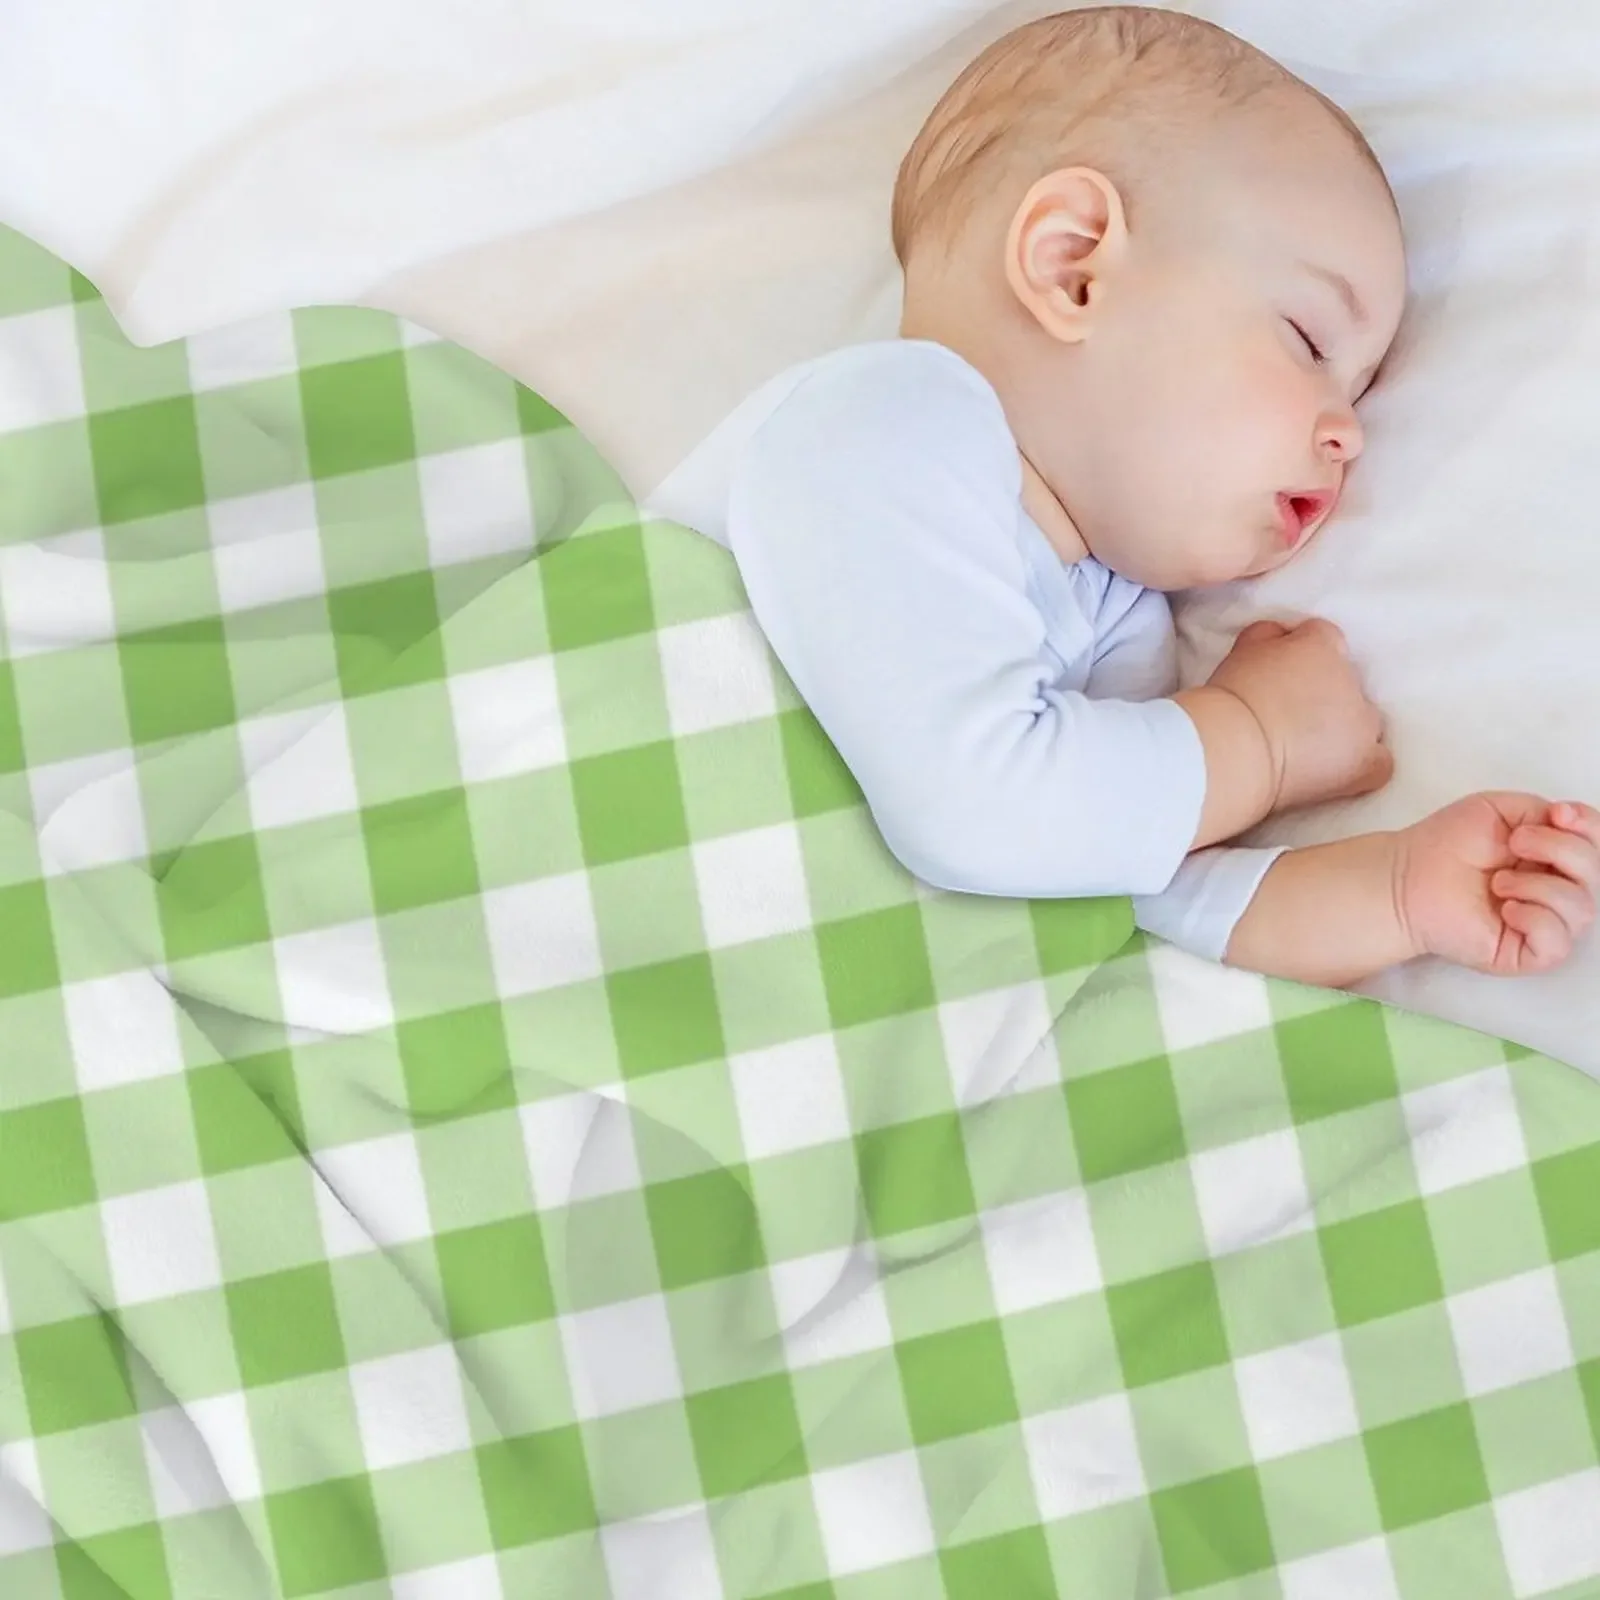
[(1065, 239)]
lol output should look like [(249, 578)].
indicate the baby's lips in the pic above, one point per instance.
[(1313, 505)]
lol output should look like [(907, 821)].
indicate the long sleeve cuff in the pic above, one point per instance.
[(1201, 907)]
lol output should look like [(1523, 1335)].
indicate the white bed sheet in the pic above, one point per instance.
[(1465, 564), (645, 209)]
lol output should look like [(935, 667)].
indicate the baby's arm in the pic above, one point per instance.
[(874, 519), (1284, 720), (1500, 883), (1327, 915), (1241, 778), (1136, 659)]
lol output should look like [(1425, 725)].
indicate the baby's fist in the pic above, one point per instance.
[(1325, 735)]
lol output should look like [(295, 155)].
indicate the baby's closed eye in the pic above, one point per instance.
[(1306, 339)]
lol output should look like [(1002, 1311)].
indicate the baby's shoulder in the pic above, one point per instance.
[(903, 384), (892, 410), (868, 421)]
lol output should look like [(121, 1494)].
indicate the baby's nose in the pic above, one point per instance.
[(1340, 437)]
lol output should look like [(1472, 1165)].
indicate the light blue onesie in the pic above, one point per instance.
[(1001, 710)]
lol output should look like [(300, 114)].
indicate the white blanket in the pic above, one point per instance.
[(670, 203)]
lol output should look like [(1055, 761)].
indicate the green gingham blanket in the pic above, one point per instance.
[(481, 1113)]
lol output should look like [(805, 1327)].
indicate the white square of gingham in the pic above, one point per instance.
[(89, 811), (333, 980), (410, 1407), (999, 1042), (671, 1557), (620, 1357), (55, 594), (123, 1029), (579, 1146), (1041, 1250), (1510, 1332), (475, 502), (201, 1455), (872, 1513), (716, 672), (478, 1578), (266, 548), (542, 935), (1550, 1534), (1464, 1130), (751, 885), (1084, 1457), (160, 1243), (1251, 1191), (371, 1195), (1354, 1570), (41, 379), (299, 767), (1296, 1397), (508, 720), (830, 1305), (1200, 1002), (24, 1523), (790, 1096), (247, 352)]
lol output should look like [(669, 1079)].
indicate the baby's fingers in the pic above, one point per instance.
[(1546, 942), (1584, 821), (1571, 903), (1568, 852), (1260, 632)]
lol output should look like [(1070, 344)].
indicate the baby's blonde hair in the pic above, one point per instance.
[(1115, 87)]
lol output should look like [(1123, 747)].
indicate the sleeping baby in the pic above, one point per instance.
[(1149, 275)]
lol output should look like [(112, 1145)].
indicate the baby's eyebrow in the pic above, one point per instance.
[(1342, 287)]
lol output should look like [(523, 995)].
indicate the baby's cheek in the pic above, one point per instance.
[(1270, 423)]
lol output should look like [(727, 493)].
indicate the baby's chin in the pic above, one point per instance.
[(1270, 555), (1177, 578), (1199, 564), (1261, 569)]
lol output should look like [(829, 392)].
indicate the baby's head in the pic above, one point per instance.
[(1179, 266)]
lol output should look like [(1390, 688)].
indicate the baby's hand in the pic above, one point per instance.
[(1325, 736), (1500, 883)]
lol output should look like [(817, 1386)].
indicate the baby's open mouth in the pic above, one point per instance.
[(1299, 512)]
